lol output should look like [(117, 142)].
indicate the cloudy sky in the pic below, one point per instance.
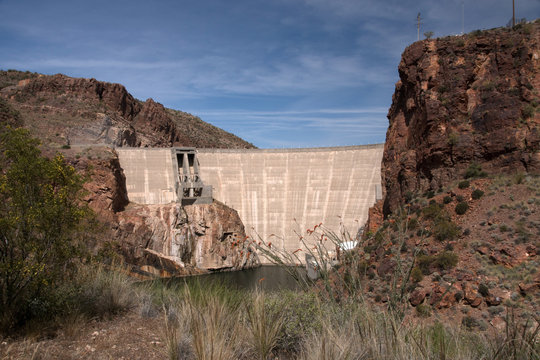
[(278, 73)]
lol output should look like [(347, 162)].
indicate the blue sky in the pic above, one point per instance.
[(278, 73)]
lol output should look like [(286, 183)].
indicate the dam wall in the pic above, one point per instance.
[(281, 193), (150, 174), (278, 193)]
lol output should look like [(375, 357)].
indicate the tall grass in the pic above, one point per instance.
[(204, 326), (103, 292), (264, 325), (255, 330)]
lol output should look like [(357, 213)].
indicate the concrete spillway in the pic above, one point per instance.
[(277, 193)]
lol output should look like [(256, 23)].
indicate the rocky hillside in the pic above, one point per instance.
[(64, 111), (457, 234), (463, 100)]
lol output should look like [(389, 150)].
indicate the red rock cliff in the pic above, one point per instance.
[(462, 100), (61, 110)]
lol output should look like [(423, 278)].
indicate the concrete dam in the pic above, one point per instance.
[(278, 193)]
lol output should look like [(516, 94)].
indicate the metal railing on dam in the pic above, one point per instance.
[(278, 193)]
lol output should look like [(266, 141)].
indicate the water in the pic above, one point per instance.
[(268, 278)]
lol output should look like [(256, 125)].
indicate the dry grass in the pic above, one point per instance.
[(264, 325), (347, 331), (203, 330), (212, 323)]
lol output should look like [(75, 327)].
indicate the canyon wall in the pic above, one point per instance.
[(464, 100)]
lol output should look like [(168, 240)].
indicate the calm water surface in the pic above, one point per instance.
[(269, 278)]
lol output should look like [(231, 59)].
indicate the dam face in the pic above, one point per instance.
[(278, 193)]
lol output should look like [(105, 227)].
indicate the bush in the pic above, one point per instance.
[(483, 290), (412, 224), (447, 199), (446, 260), (462, 208), (424, 263), (433, 211), (469, 322), (416, 274), (518, 178), (463, 184), (445, 229), (474, 171), (477, 194), (300, 313), (528, 111), (423, 310), (41, 218)]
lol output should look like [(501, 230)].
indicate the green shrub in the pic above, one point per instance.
[(518, 178), (477, 194), (300, 312), (474, 171), (66, 147), (447, 199), (483, 290), (430, 194), (446, 260), (453, 138), (528, 111), (423, 310), (413, 224), (463, 184), (424, 263), (469, 322), (432, 211), (445, 229), (41, 224), (462, 208), (416, 274), (409, 196)]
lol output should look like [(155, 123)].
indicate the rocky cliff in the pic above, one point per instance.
[(457, 233), (167, 240), (65, 111), (463, 100)]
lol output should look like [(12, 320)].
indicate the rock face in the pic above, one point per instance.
[(459, 101), (106, 192), (87, 112), (167, 240)]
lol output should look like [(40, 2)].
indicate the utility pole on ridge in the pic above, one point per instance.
[(513, 14), (463, 17), (418, 18)]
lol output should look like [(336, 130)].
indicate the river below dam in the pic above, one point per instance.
[(267, 277)]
